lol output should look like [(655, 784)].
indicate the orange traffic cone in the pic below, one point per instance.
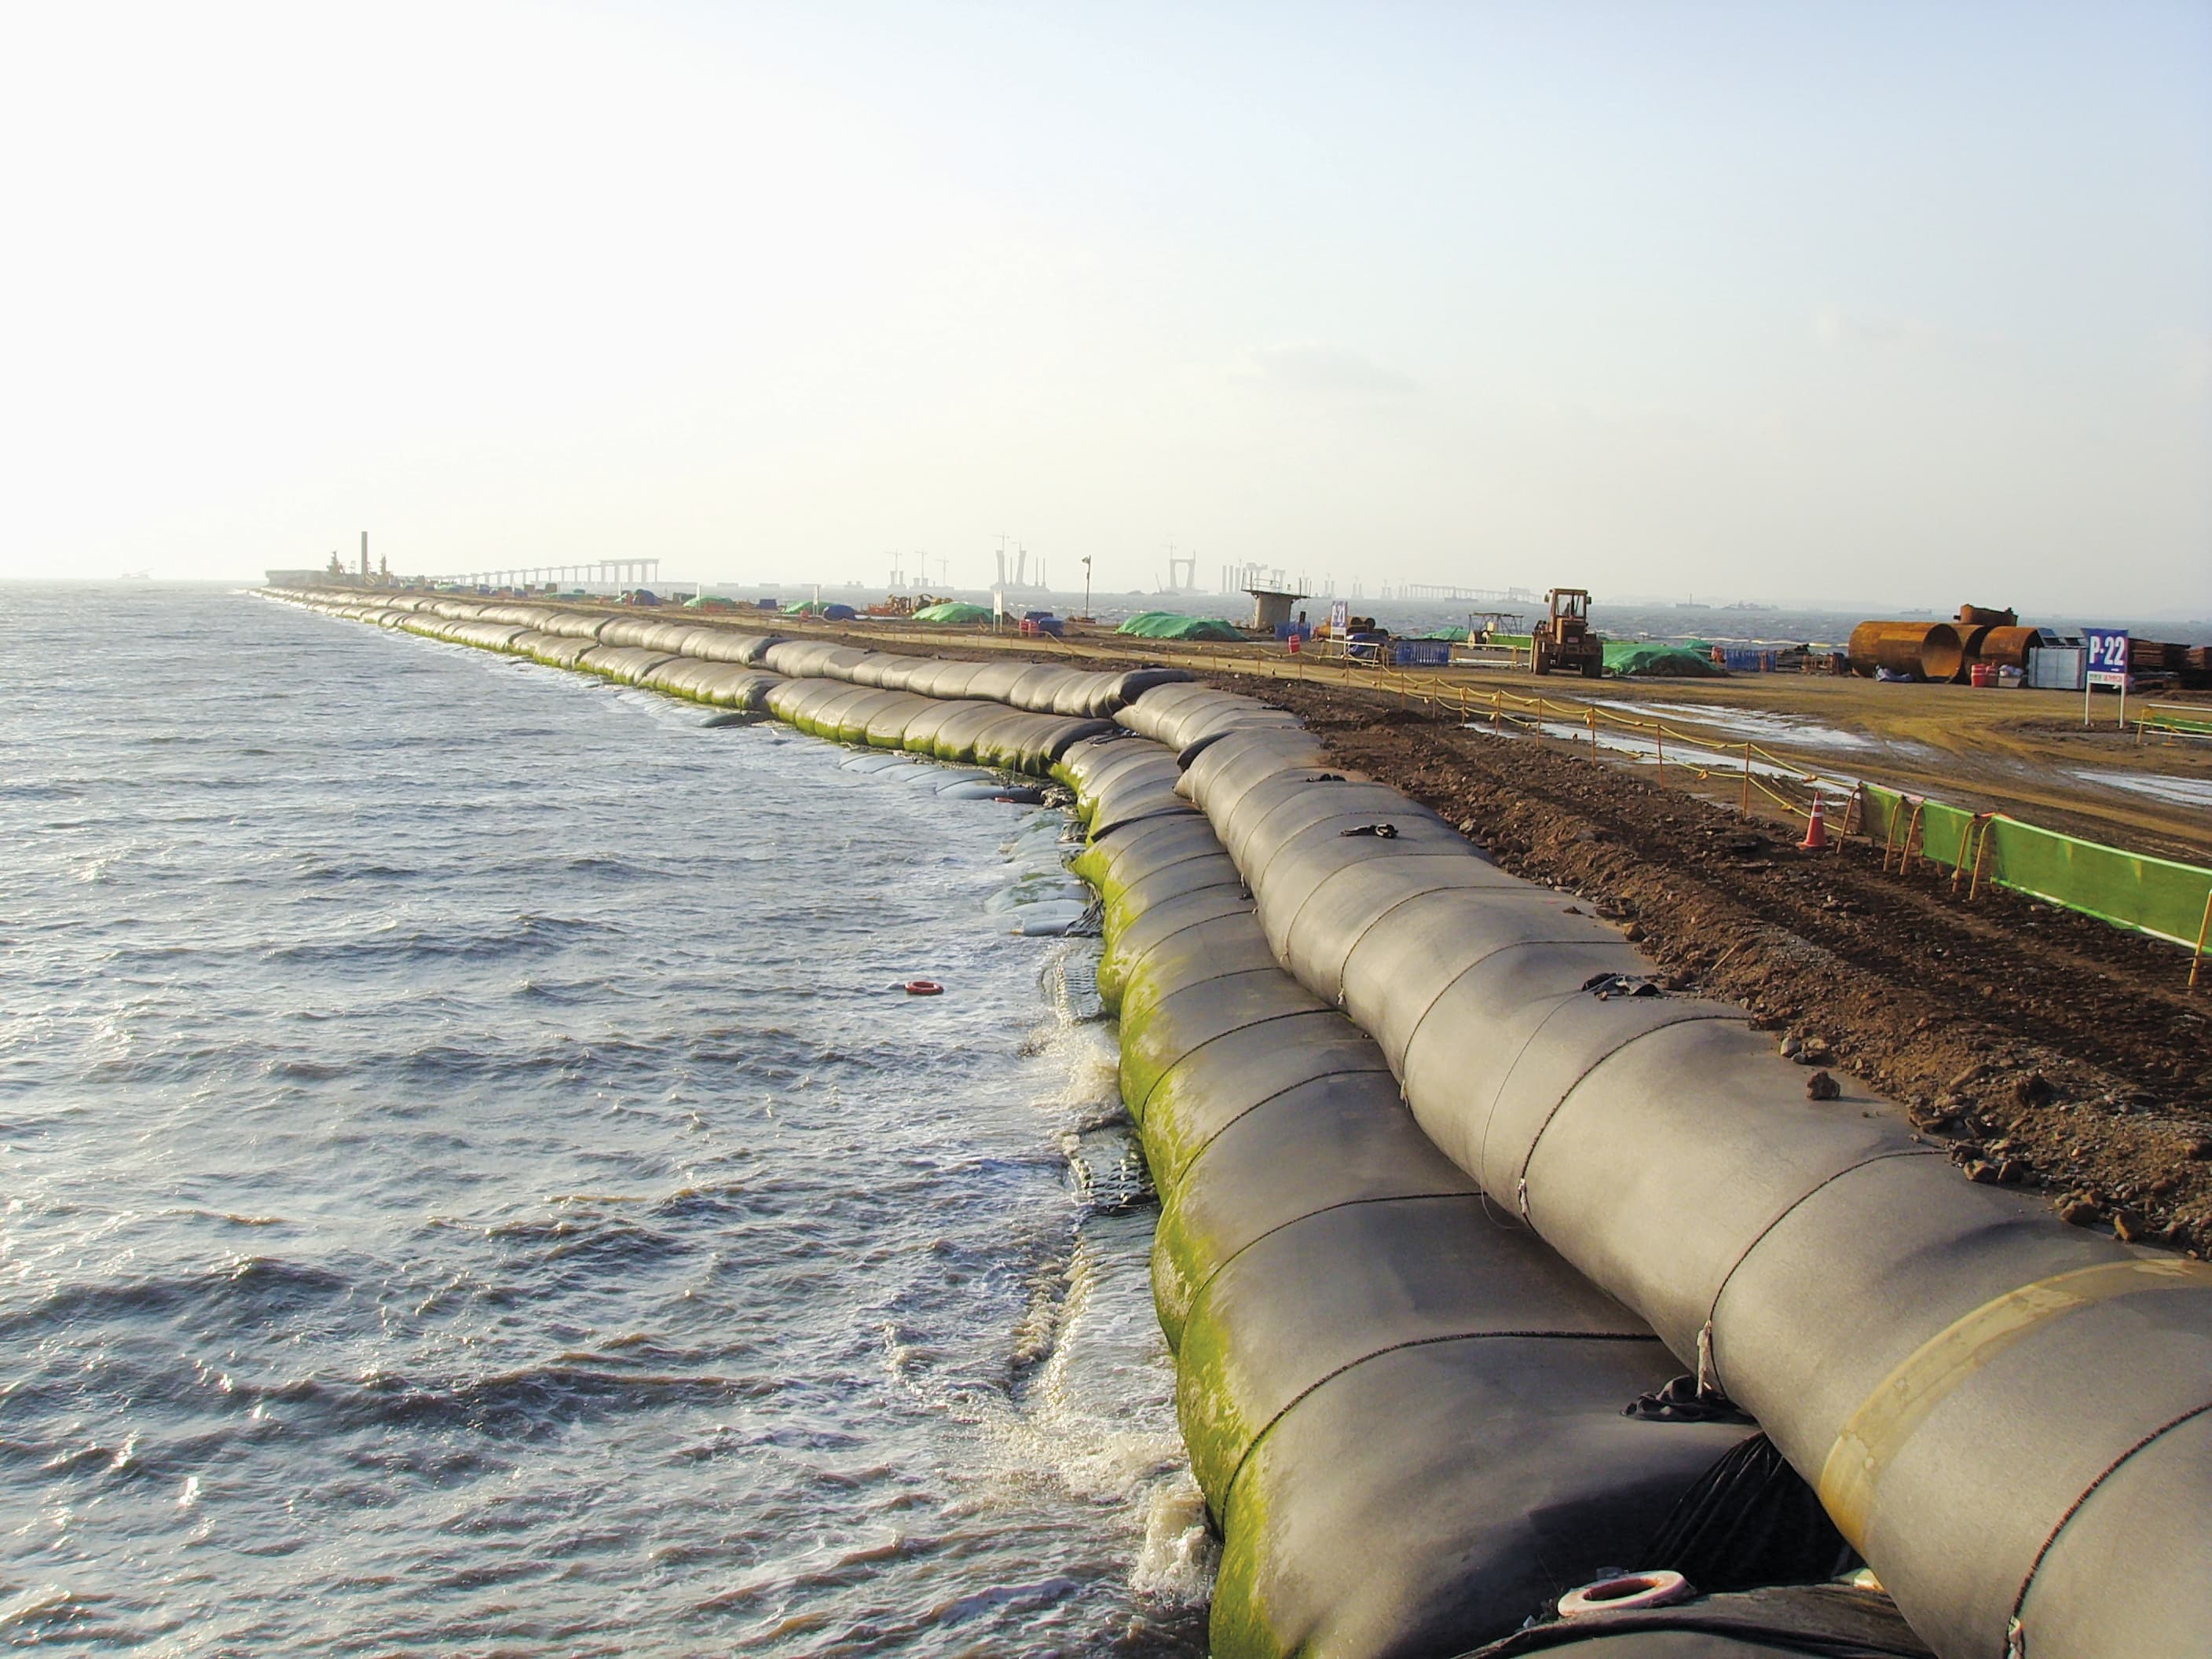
[(1816, 830)]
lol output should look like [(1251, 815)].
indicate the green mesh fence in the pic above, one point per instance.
[(2191, 724), (2151, 896)]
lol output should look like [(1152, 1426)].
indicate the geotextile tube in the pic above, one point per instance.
[(2010, 1417), (1039, 687), (1445, 1176), (1407, 1416)]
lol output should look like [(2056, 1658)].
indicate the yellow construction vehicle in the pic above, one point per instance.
[(1564, 641)]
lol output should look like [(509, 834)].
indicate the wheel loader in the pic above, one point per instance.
[(1564, 641)]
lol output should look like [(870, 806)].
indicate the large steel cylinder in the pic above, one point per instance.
[(1892, 645), (1943, 653), (2007, 647)]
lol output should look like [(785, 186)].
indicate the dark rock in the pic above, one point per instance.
[(2033, 1089), (2199, 1149), (2077, 1211), (2130, 1227), (1982, 1173), (1822, 1085), (2013, 1171), (1968, 1078)]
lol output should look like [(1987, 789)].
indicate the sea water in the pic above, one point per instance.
[(474, 1183)]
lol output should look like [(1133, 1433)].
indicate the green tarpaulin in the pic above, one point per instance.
[(953, 611), (1641, 657), (1173, 625)]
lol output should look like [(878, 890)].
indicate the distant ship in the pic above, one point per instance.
[(1747, 604), (134, 576)]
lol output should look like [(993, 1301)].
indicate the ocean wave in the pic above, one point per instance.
[(244, 1293), (456, 1212), (515, 936)]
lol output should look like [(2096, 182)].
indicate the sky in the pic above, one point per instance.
[(1801, 303)]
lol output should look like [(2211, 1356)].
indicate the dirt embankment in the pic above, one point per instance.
[(2046, 1049)]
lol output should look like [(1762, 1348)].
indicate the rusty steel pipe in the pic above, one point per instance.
[(1944, 655), (2007, 647), (1892, 645)]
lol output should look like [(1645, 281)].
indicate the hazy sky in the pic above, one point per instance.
[(1784, 301)]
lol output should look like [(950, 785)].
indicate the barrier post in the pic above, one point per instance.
[(1590, 716), (1496, 710), (2203, 928), (1968, 855), (1659, 737), (1743, 801), (1905, 853), (1981, 857)]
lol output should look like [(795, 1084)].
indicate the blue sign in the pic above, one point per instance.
[(2107, 652)]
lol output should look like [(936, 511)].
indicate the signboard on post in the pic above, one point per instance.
[(998, 609), (2107, 649), (1339, 617)]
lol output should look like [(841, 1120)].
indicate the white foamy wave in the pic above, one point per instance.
[(1179, 1556)]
